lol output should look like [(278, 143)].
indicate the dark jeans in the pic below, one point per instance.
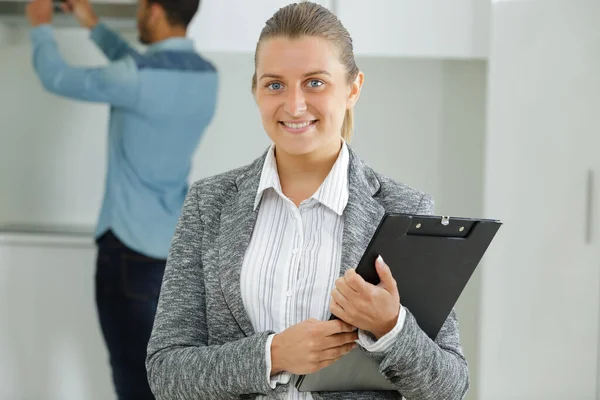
[(127, 289)]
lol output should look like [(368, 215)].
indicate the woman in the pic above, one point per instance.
[(263, 253)]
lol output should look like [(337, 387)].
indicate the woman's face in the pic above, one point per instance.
[(302, 93)]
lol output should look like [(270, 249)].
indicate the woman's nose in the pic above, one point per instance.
[(295, 103)]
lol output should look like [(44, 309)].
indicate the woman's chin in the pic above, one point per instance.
[(295, 144)]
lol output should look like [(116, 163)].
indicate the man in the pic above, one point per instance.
[(161, 101)]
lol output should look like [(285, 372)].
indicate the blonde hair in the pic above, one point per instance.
[(309, 19)]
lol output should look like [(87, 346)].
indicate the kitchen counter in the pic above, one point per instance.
[(51, 235), (50, 340)]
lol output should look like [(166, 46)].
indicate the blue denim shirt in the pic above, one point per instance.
[(161, 102)]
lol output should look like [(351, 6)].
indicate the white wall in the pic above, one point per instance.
[(541, 279), (461, 182), (52, 155), (419, 121)]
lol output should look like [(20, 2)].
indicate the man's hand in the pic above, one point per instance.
[(368, 307), (311, 345), (39, 12), (82, 10)]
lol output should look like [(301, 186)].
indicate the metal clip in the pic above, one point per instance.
[(445, 221)]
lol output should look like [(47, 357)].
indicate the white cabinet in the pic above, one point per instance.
[(233, 26), (50, 342), (456, 29), (540, 282), (417, 28)]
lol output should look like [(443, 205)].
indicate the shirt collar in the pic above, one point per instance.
[(333, 192), (174, 43), (269, 178)]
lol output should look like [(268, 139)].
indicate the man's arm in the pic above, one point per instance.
[(116, 84), (111, 43)]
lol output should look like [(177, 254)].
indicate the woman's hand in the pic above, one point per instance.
[(366, 306), (311, 345)]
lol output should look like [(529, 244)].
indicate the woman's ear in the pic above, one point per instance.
[(355, 88)]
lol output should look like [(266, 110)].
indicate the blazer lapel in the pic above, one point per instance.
[(237, 223), (362, 214)]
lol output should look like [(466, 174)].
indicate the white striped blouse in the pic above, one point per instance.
[(293, 259)]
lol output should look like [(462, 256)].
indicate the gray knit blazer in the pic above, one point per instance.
[(203, 345)]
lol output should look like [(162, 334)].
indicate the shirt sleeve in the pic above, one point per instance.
[(385, 342), (116, 84), (281, 378), (112, 44)]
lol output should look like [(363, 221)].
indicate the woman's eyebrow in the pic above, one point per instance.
[(275, 76)]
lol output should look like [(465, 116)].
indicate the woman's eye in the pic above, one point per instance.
[(274, 86), (315, 83)]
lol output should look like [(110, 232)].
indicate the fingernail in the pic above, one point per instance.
[(380, 261)]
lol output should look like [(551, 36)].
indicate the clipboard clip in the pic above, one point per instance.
[(445, 220)]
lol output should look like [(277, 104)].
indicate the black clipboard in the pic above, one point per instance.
[(432, 259)]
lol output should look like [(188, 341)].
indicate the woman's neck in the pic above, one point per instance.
[(301, 175)]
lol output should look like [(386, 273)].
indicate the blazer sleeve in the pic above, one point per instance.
[(180, 362), (423, 369)]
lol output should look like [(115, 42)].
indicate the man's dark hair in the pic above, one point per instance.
[(178, 12)]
